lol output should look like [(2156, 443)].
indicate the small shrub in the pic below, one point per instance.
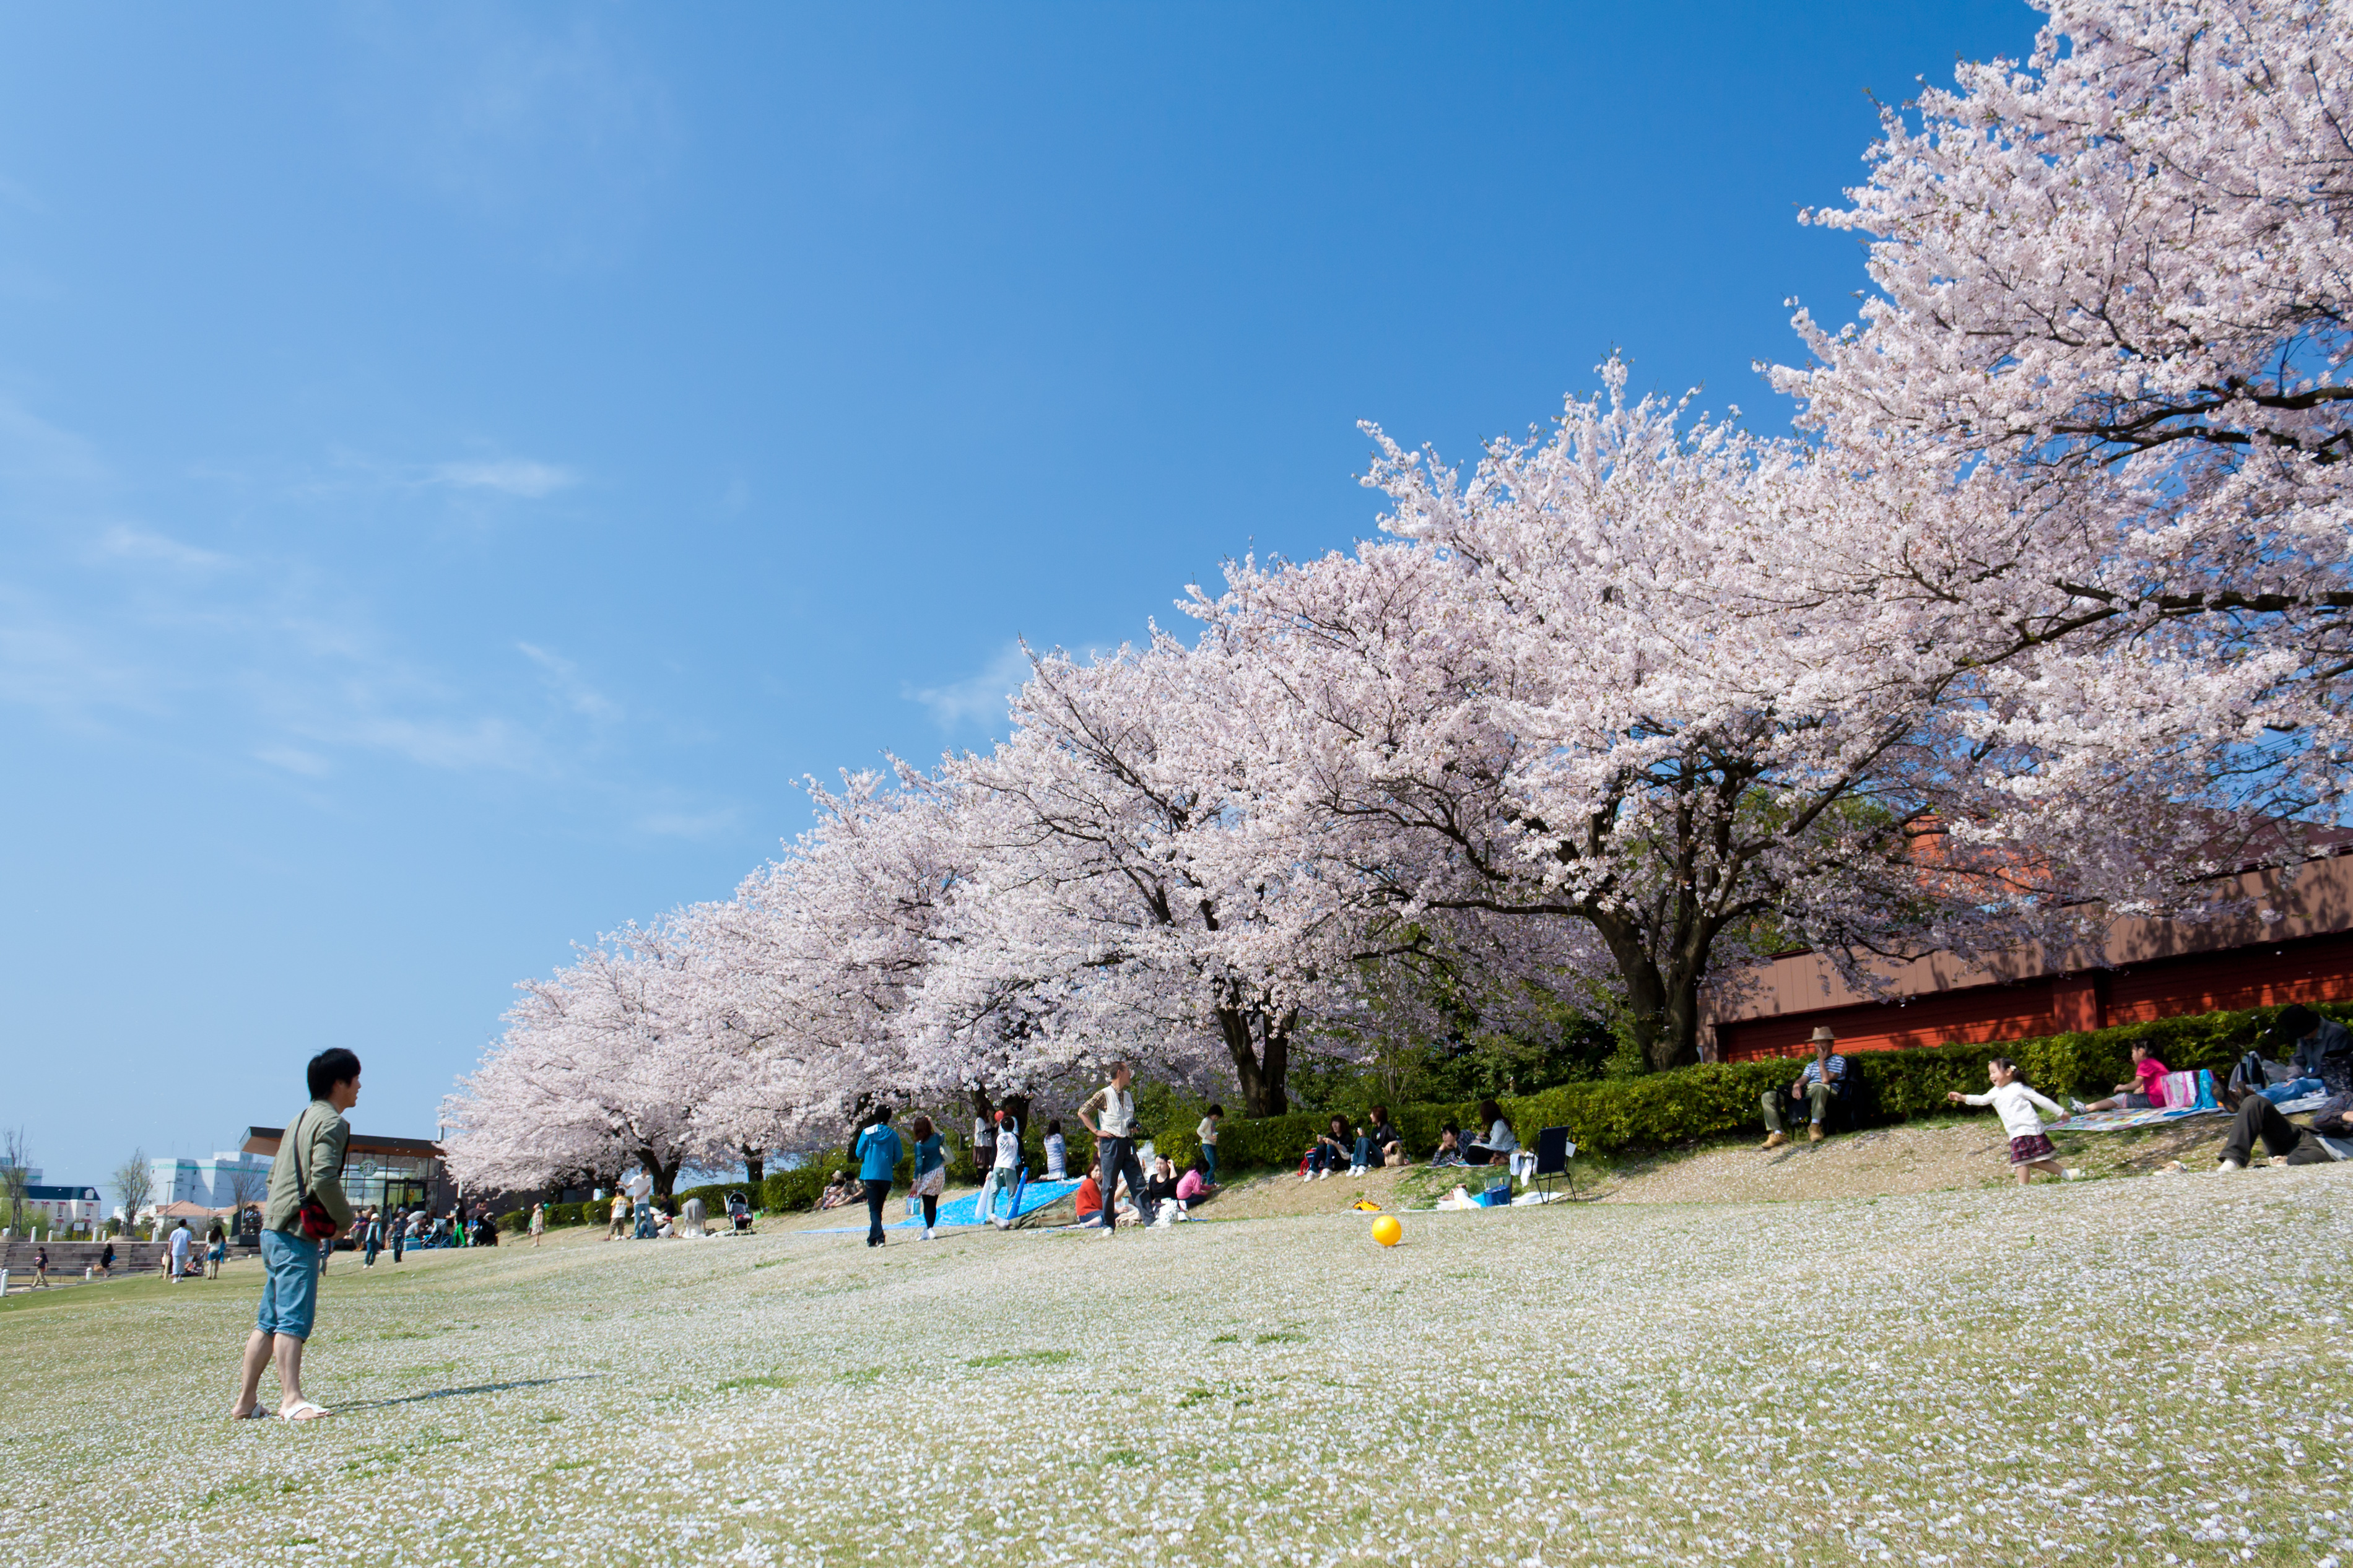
[(1714, 1099)]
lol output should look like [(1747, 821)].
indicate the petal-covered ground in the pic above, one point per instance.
[(2128, 1371)]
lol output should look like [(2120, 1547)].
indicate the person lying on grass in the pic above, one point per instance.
[(2030, 1146)]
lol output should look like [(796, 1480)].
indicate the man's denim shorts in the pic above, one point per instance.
[(290, 1284)]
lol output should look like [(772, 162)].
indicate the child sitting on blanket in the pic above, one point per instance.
[(2030, 1146), (2145, 1093)]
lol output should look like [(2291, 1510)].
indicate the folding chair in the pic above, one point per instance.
[(1553, 1150)]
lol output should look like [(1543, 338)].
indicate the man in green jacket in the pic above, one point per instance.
[(310, 1164)]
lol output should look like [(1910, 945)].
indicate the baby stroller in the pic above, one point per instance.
[(739, 1214)]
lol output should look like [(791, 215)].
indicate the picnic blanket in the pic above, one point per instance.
[(965, 1210), (2187, 1094)]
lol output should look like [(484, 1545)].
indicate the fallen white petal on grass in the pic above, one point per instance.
[(2110, 1371)]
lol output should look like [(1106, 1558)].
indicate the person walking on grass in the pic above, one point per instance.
[(877, 1151), (215, 1249), (40, 1268), (374, 1239), (1110, 1114), (305, 1196), (2030, 1146), (1004, 1172), (931, 1169), (180, 1240), (538, 1221), (400, 1222), (1207, 1133)]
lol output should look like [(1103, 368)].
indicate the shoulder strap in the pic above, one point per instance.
[(302, 1182)]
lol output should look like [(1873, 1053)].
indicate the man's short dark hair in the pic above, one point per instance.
[(331, 1066), (2294, 1021)]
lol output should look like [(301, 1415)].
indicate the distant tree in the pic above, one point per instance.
[(18, 1175), (133, 1184), (247, 1185)]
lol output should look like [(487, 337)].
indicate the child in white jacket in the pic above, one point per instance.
[(2029, 1147)]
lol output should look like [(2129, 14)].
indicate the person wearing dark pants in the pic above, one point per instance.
[(877, 1151), (2259, 1117), (1110, 1114)]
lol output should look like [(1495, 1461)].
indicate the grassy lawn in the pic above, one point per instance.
[(2121, 1370)]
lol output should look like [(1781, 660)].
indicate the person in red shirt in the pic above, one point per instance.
[(1089, 1198), (2146, 1092)]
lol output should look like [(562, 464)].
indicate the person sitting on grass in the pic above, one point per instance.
[(1818, 1087), (1500, 1146), (2030, 1146), (1194, 1185), (836, 1191), (1089, 1201), (2143, 1091), (2331, 1124), (1379, 1144), (1057, 1152), (2289, 1144), (1333, 1149), (1450, 1146), (1160, 1203)]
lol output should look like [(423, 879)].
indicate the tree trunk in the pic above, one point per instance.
[(1664, 1004), (1261, 1049), (665, 1177), (755, 1166)]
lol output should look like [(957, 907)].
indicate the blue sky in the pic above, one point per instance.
[(460, 466)]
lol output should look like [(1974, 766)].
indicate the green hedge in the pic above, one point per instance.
[(1717, 1099)]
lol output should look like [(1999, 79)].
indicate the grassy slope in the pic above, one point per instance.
[(1940, 1375)]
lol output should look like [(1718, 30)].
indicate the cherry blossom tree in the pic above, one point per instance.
[(602, 1066), (2114, 283), (1533, 705)]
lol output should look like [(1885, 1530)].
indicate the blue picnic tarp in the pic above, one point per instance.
[(965, 1209)]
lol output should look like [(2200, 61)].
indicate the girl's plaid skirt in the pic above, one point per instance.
[(2032, 1147)]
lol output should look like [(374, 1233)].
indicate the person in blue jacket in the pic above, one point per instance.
[(877, 1151)]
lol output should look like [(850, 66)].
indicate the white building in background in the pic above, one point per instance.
[(65, 1208), (220, 1182)]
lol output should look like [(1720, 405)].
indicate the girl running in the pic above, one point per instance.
[(2029, 1147)]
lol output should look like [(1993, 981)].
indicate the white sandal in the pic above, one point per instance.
[(304, 1410)]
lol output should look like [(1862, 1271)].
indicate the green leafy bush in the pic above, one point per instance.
[(1717, 1099)]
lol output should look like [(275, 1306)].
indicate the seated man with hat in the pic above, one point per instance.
[(1819, 1087)]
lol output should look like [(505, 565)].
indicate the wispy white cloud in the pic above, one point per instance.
[(977, 698), (562, 678), (519, 477), (106, 622), (690, 823), (295, 760), (536, 123), (143, 546)]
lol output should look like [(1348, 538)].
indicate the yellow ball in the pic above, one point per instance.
[(1386, 1231)]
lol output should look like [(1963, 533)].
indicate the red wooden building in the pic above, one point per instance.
[(2295, 943)]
